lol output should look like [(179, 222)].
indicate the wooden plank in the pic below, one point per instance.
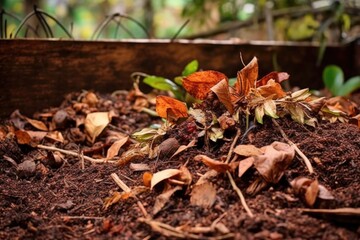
[(35, 74)]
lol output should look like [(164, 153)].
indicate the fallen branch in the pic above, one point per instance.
[(241, 196), (301, 154), (75, 154)]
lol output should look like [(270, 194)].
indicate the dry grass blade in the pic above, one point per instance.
[(301, 154)]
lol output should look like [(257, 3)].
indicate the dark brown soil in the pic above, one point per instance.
[(67, 202)]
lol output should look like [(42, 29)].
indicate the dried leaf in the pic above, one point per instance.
[(342, 104), (115, 147), (37, 124), (245, 164), (272, 89), (95, 123), (37, 136), (170, 108), (275, 160), (163, 198), (213, 164), (221, 89), (311, 193), (183, 148), (278, 77), (270, 108), (198, 84), (199, 115), (247, 150), (259, 113), (22, 137), (163, 175), (226, 121), (56, 136), (246, 78), (216, 133), (185, 175), (203, 195)]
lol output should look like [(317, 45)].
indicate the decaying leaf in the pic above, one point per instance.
[(147, 176), (95, 123), (23, 137), (37, 124), (215, 133), (245, 164), (139, 167), (185, 175), (199, 84), (163, 175), (122, 196), (309, 190), (199, 115), (170, 108), (246, 78), (277, 77), (213, 164), (115, 147), (221, 89), (183, 148), (271, 89), (247, 150), (163, 198), (275, 160), (226, 121), (56, 136), (203, 195)]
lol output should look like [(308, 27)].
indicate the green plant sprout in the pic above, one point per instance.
[(333, 78), (174, 86)]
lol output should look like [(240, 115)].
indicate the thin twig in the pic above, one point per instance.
[(241, 196), (82, 217), (301, 154), (126, 189), (75, 154), (238, 132)]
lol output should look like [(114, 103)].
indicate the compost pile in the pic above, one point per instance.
[(246, 161)]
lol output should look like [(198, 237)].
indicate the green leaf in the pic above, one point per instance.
[(178, 80), (164, 84), (145, 134), (190, 68), (350, 86), (333, 78)]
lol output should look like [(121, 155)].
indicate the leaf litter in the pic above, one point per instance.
[(216, 169)]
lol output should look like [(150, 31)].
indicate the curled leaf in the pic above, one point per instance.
[(163, 175), (221, 89), (183, 148), (37, 124), (278, 77), (170, 108), (199, 84), (115, 147), (213, 164), (203, 195), (271, 89), (163, 198), (246, 78), (96, 122)]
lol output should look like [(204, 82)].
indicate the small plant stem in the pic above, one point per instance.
[(150, 112), (126, 189), (82, 217), (241, 196), (301, 154), (231, 150), (75, 154)]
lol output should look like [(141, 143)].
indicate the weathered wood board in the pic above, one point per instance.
[(35, 74)]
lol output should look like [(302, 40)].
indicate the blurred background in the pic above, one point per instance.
[(281, 20)]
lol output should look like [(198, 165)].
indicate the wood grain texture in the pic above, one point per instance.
[(35, 74)]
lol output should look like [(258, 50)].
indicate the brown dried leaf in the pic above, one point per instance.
[(203, 195), (221, 89), (139, 167), (163, 175), (245, 164), (95, 123), (183, 148), (163, 198), (198, 84), (246, 78), (185, 175), (247, 150), (37, 136), (226, 121), (311, 193), (147, 176), (56, 136), (275, 160), (213, 164), (342, 104), (22, 137), (170, 108), (276, 76), (115, 147), (37, 124), (272, 89)]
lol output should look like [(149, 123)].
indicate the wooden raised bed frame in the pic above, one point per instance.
[(35, 74)]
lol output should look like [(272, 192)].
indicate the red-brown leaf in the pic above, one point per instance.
[(199, 84), (277, 76), (246, 78), (170, 108)]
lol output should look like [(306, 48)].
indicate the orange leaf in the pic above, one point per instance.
[(170, 108), (246, 78), (37, 124), (213, 164), (277, 76), (199, 84), (115, 147), (221, 89), (147, 176), (273, 89)]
